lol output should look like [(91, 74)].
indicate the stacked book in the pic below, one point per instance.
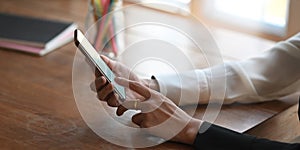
[(33, 35)]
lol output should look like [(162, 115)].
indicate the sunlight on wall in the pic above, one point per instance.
[(272, 12)]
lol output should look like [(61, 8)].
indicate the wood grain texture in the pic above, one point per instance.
[(283, 127), (37, 108)]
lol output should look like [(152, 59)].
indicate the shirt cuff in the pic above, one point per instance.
[(161, 85), (186, 88)]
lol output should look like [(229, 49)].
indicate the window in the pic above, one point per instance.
[(173, 6), (268, 16), (271, 12)]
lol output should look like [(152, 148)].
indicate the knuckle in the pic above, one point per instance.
[(99, 82), (99, 97), (113, 96), (101, 93), (99, 79), (110, 103), (110, 87)]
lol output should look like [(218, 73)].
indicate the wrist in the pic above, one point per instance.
[(191, 130), (189, 133)]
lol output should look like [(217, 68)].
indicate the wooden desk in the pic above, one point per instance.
[(37, 108)]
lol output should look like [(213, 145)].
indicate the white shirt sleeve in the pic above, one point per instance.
[(274, 74)]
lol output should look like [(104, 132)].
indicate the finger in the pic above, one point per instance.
[(134, 105), (135, 86), (97, 73), (105, 91), (138, 118), (113, 100), (100, 83), (110, 63), (120, 110)]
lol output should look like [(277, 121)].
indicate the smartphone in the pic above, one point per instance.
[(91, 54)]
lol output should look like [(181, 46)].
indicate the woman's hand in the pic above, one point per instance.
[(105, 90), (155, 110)]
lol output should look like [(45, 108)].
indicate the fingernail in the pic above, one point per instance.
[(103, 79), (118, 114)]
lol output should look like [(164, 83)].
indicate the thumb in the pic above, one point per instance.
[(135, 86), (110, 63)]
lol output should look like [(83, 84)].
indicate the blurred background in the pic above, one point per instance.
[(271, 19)]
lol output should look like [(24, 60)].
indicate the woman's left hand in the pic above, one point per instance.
[(155, 110)]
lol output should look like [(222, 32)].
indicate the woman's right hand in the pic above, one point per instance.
[(159, 115)]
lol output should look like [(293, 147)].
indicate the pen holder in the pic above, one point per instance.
[(104, 19)]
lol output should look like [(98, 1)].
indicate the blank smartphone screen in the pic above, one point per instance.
[(89, 51)]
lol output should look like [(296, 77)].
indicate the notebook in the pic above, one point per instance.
[(34, 35)]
